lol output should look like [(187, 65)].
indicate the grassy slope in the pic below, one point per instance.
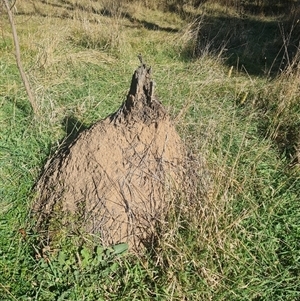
[(240, 241)]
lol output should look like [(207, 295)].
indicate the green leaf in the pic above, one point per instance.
[(86, 256), (62, 258), (114, 267), (120, 248), (100, 251)]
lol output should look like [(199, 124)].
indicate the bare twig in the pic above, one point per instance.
[(12, 6), (18, 59)]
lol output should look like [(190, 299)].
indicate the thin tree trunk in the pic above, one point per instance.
[(18, 60)]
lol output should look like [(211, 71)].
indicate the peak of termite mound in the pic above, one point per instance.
[(115, 179)]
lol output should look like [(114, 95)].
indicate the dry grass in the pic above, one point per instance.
[(232, 232)]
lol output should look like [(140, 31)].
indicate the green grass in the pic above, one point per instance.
[(232, 234)]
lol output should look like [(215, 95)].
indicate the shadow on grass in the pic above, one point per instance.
[(146, 24), (115, 13), (72, 127), (259, 46), (252, 44)]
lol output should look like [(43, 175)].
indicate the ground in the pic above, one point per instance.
[(237, 239)]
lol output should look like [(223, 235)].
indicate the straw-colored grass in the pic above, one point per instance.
[(231, 234)]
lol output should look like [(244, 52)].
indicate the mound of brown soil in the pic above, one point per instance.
[(114, 178)]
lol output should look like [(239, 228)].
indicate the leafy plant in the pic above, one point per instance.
[(63, 275), (232, 233)]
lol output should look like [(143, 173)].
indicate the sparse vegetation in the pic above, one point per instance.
[(234, 232)]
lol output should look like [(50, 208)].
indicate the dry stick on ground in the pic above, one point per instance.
[(18, 59)]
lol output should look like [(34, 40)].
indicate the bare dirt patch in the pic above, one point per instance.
[(116, 178)]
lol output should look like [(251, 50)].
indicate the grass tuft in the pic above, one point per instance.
[(232, 232)]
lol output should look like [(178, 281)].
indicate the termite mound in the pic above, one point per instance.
[(115, 178)]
